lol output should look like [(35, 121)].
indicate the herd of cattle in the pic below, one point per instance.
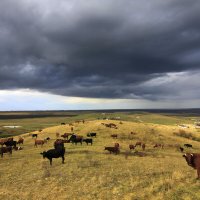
[(58, 150)]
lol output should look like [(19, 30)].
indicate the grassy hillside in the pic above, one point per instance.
[(90, 172)]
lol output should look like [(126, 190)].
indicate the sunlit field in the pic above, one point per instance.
[(90, 172)]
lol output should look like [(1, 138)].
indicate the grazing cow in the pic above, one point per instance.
[(158, 145), (88, 140), (62, 123), (138, 144), (114, 135), (39, 142), (116, 145), (54, 153), (66, 135), (181, 149), (188, 145), (193, 160), (57, 135), (34, 135), (131, 146), (76, 139), (92, 134), (20, 141), (112, 149), (10, 143), (40, 130), (5, 150), (143, 146)]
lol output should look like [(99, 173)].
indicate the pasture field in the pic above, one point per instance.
[(90, 172)]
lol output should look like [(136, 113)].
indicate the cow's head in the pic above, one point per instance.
[(189, 158), (44, 154)]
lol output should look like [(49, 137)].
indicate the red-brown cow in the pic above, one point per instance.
[(114, 135), (20, 141), (40, 142), (193, 160), (112, 149), (138, 144)]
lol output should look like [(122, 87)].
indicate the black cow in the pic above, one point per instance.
[(34, 135), (10, 143), (54, 153), (76, 139), (92, 134), (88, 140), (188, 145)]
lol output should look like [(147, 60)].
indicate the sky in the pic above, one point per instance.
[(108, 54)]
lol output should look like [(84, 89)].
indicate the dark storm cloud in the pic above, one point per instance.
[(101, 49)]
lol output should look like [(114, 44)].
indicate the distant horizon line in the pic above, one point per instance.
[(112, 109)]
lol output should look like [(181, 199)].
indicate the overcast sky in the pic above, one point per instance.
[(77, 54)]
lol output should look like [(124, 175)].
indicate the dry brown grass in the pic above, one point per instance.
[(91, 173)]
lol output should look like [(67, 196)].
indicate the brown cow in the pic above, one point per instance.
[(131, 146), (3, 140), (72, 129), (116, 145), (5, 150), (114, 135), (39, 142), (138, 144), (193, 160), (20, 141), (112, 150)]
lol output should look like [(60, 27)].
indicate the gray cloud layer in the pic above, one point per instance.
[(104, 49)]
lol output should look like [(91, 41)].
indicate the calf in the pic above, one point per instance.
[(188, 145), (193, 160), (88, 140), (54, 153), (112, 149), (5, 150), (92, 134), (131, 146)]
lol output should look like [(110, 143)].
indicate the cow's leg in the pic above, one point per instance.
[(50, 159), (63, 159), (198, 173)]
